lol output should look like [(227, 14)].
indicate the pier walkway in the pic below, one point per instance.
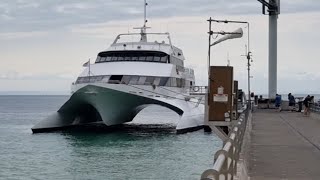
[(283, 145)]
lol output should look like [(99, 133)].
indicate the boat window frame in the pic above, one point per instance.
[(132, 79), (157, 81), (126, 79), (130, 56), (137, 80)]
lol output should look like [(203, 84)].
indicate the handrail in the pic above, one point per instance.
[(128, 34), (315, 108), (225, 160)]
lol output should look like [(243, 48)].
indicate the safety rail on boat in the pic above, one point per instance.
[(225, 160), (198, 90)]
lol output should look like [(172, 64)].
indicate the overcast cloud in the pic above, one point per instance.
[(46, 39), (35, 15)]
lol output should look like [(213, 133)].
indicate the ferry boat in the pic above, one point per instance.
[(128, 77)]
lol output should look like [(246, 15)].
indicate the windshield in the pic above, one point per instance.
[(145, 56)]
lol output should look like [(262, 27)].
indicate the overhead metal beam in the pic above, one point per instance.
[(265, 3), (273, 6)]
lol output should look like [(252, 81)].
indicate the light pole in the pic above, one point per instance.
[(227, 35), (248, 55)]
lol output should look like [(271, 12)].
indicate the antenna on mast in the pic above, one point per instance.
[(145, 14), (144, 27)]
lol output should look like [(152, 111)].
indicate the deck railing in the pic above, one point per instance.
[(225, 160)]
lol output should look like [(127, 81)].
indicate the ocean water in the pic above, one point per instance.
[(147, 148)]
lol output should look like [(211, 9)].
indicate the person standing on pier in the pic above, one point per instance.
[(307, 102), (292, 101), (278, 102)]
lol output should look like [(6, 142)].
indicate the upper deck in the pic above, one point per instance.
[(129, 42), (142, 59)]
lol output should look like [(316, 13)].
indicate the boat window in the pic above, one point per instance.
[(126, 79), (173, 82), (149, 58), (121, 58), (115, 79), (164, 59), (176, 61), (92, 79), (79, 80), (149, 81), (102, 59), (157, 58), (180, 68), (179, 82), (186, 83), (135, 58), (108, 58), (142, 80), (168, 83), (163, 81), (99, 78), (134, 80), (157, 81), (114, 58), (142, 58), (105, 78), (127, 58)]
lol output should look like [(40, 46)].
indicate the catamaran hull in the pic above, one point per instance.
[(112, 106)]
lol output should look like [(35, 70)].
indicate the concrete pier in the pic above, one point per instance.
[(283, 145)]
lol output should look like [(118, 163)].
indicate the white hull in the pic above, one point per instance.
[(119, 103)]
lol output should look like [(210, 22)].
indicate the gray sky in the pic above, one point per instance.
[(44, 43)]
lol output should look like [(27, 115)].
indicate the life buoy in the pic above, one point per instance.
[(195, 88)]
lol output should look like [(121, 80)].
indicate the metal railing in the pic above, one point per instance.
[(315, 108), (225, 160)]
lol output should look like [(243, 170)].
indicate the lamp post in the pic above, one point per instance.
[(227, 35), (248, 54)]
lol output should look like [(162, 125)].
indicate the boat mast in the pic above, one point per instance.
[(145, 13), (144, 27)]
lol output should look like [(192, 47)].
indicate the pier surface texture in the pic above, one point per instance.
[(283, 145)]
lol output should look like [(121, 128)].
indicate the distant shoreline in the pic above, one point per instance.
[(34, 93), (64, 93)]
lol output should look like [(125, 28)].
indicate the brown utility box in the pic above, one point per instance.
[(235, 99), (221, 77)]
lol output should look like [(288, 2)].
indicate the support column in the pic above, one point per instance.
[(273, 23)]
